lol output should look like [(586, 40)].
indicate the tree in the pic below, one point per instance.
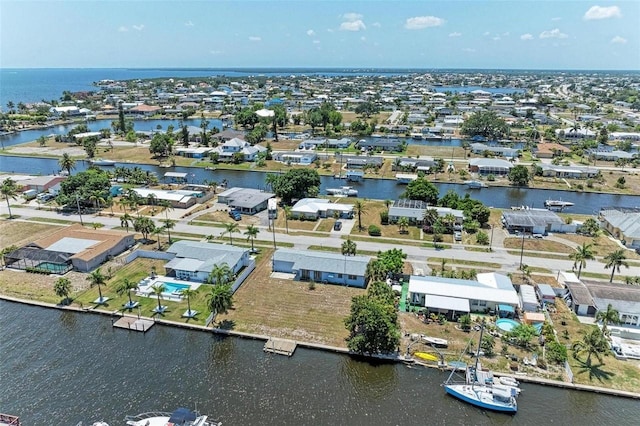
[(143, 225), (169, 224), (590, 227), (156, 232), (220, 299), (125, 287), (247, 118), (80, 187), (252, 233), (614, 261), (487, 344), (486, 124), (403, 224), (593, 344), (610, 315), (96, 278), (387, 262), (220, 274), (523, 333), (125, 220), (89, 146), (482, 238), (9, 190), (230, 228), (373, 321), (519, 175), (295, 183), (465, 322), (580, 257), (360, 209), (121, 124), (349, 248), (161, 145), (287, 215), (279, 119), (62, 288), (422, 189), (184, 133), (188, 293), (367, 109), (158, 289), (67, 163)]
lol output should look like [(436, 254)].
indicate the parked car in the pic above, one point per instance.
[(337, 226), (44, 197), (235, 214), (457, 236), (537, 235)]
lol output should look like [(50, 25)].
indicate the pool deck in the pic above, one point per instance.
[(145, 290)]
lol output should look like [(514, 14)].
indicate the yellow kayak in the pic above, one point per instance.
[(426, 356)]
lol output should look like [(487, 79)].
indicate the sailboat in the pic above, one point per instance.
[(479, 389)]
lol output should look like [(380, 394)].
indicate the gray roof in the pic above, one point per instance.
[(530, 217), (209, 254), (323, 261), (580, 294), (246, 197), (490, 162), (72, 245), (628, 222), (624, 298)]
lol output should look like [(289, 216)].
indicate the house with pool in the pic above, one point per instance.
[(489, 292), (194, 260)]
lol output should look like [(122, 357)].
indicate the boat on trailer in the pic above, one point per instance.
[(478, 388)]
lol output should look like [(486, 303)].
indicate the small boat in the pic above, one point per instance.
[(179, 417), (345, 191), (426, 356), (478, 388), (405, 178), (475, 184), (9, 420), (435, 341), (102, 162), (557, 204)]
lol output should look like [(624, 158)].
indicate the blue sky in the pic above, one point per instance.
[(542, 34)]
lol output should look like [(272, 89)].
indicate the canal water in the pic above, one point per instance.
[(379, 189), (60, 368)]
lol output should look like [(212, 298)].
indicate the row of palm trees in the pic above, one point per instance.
[(614, 260), (231, 228)]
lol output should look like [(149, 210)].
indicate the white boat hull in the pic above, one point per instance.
[(481, 396)]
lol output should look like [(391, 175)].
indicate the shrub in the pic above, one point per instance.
[(482, 238), (491, 178), (374, 231), (556, 352), (384, 218)]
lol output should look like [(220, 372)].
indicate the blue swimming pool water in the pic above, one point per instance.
[(170, 287), (506, 324)]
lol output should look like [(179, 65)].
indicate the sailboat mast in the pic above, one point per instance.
[(475, 368)]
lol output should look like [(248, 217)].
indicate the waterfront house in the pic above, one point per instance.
[(361, 162), (381, 144), (322, 267), (572, 172), (490, 166), (177, 198), (316, 208), (194, 260), (613, 155), (303, 158), (414, 211), (535, 221), (246, 200), (144, 110), (550, 150), (623, 223), (233, 146), (500, 151), (453, 297)]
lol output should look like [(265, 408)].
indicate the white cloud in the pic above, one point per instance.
[(356, 25), (619, 40), (216, 52), (352, 17), (420, 22), (506, 34), (600, 12), (311, 33), (557, 18), (123, 29), (255, 38), (555, 33), (455, 34), (363, 38), (486, 33), (468, 49), (188, 24), (316, 41), (526, 37), (376, 24), (329, 30), (496, 38), (138, 27)]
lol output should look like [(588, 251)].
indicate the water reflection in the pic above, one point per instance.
[(369, 379), (69, 320)]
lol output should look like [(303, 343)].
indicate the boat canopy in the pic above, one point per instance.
[(181, 416), (445, 302)]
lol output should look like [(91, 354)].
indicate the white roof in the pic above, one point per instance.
[(72, 245), (162, 195), (445, 302), (313, 205), (490, 287)]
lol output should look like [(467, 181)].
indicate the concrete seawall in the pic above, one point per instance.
[(328, 348)]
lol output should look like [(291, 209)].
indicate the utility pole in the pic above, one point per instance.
[(521, 250), (78, 205), (491, 240)]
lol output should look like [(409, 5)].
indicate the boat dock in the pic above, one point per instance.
[(280, 346), (134, 323)]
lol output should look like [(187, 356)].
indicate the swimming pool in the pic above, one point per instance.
[(506, 324), (174, 288)]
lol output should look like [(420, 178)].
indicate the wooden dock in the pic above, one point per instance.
[(134, 323), (280, 346)]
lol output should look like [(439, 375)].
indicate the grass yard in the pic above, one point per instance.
[(18, 233), (289, 309), (602, 245), (537, 244)]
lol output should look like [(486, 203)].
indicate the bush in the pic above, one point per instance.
[(482, 238), (374, 231), (556, 352), (384, 218)]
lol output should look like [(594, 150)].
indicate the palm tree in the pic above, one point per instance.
[(230, 228), (593, 343), (403, 224), (220, 274), (610, 315), (123, 203), (67, 163), (125, 220), (448, 220), (168, 225), (157, 231), (9, 189), (430, 216), (167, 207), (387, 203), (220, 299), (62, 288), (158, 289), (287, 215), (96, 278), (125, 287), (614, 261), (580, 256), (97, 199), (251, 233), (360, 209), (349, 248), (188, 292)]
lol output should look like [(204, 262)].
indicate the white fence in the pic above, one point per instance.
[(245, 273)]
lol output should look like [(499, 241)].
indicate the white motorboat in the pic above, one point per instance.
[(405, 178), (435, 341), (345, 191), (475, 184), (179, 417), (102, 162), (557, 204), (478, 388)]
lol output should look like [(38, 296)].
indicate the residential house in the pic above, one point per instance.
[(623, 223), (194, 260), (535, 221), (572, 172), (550, 150), (304, 158), (500, 151), (381, 144), (322, 267), (489, 166), (245, 200), (315, 208), (233, 146), (414, 211), (178, 198)]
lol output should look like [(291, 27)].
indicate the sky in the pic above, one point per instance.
[(486, 34)]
